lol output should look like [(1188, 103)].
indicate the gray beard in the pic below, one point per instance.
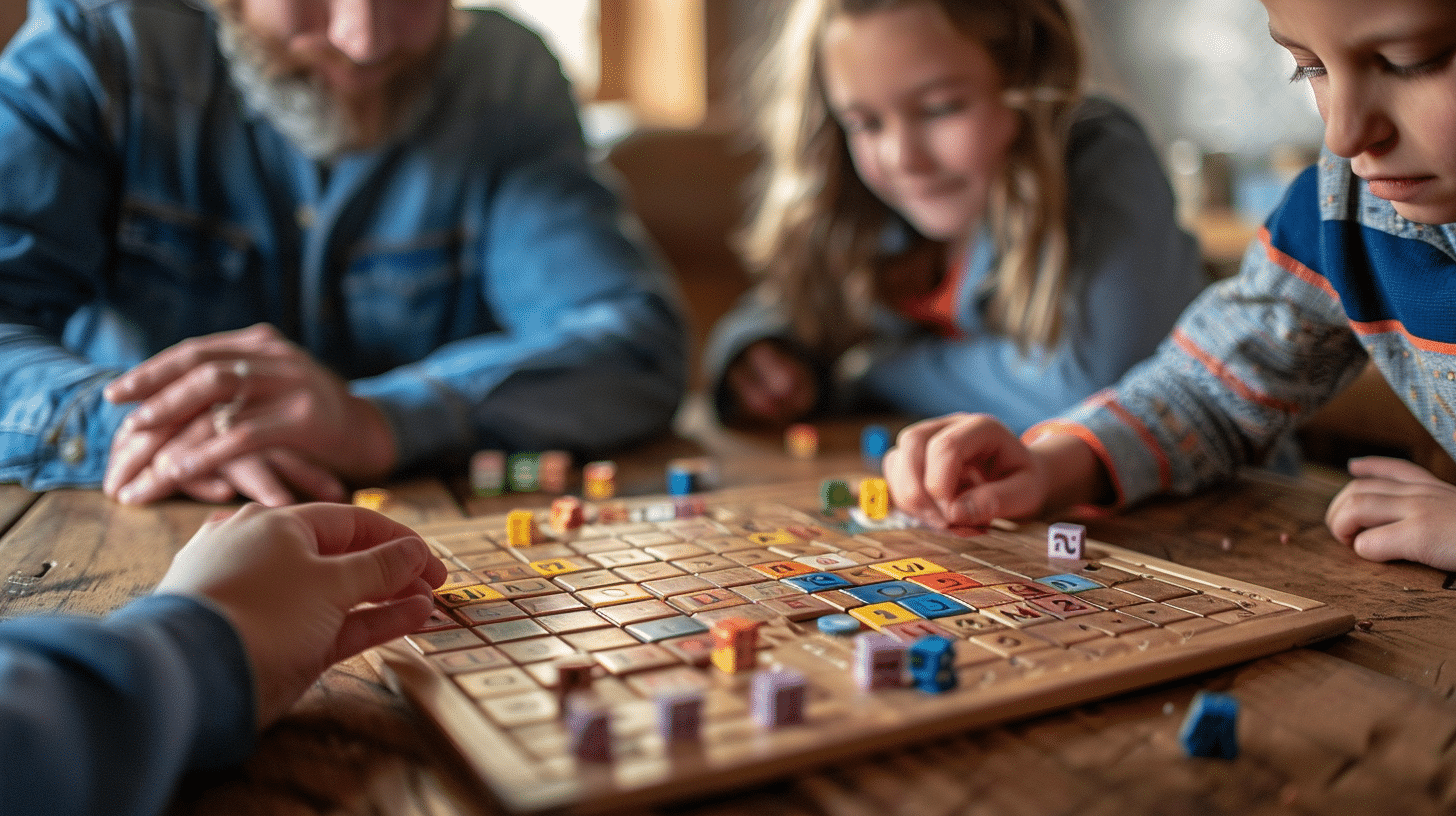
[(299, 108)]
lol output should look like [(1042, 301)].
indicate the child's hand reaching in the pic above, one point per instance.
[(771, 386), (962, 470), (1395, 509), (307, 586)]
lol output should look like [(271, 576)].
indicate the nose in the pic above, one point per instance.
[(1355, 119), (359, 31), (904, 148)]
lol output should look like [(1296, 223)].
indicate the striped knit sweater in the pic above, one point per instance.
[(1336, 278)]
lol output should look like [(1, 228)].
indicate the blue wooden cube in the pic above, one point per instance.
[(1211, 727), (932, 664), (874, 443)]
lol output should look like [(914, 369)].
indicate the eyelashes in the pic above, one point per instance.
[(1303, 73), (1429, 66)]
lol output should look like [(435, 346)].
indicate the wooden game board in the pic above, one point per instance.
[(1038, 635)]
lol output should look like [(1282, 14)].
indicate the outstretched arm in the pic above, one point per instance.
[(307, 586), (963, 470), (104, 716)]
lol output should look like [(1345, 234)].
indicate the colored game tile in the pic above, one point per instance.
[(1210, 728), (599, 480), (588, 727), (552, 471), (567, 513), (874, 498), (1066, 540), (372, 498), (816, 581), (908, 567), (880, 615), (523, 472), (735, 644), (874, 443), (834, 494), (521, 530), (801, 440), (878, 662), (778, 697), (488, 472), (931, 663), (679, 715), (932, 605), (681, 481)]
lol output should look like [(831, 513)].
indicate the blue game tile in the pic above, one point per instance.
[(931, 662), (933, 605), (887, 591), (816, 581), (1068, 583), (1211, 727)]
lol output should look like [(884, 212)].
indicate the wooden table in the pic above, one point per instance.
[(1360, 724)]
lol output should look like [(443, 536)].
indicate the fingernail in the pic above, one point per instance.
[(128, 494), (182, 467), (416, 549)]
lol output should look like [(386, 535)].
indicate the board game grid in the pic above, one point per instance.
[(1031, 635)]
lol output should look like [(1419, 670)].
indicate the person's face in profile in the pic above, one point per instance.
[(1384, 78)]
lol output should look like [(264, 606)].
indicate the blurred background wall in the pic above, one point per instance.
[(1213, 89)]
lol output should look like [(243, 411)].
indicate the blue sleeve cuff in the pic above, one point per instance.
[(427, 420), (221, 674)]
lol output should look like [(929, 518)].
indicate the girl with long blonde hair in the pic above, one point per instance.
[(945, 220)]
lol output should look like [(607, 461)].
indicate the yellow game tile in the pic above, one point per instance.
[(908, 567), (460, 596), (883, 614)]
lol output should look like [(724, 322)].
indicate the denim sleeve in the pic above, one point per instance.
[(55, 427), (59, 172), (1134, 270), (593, 351), (104, 716)]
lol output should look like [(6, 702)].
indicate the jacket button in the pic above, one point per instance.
[(73, 450)]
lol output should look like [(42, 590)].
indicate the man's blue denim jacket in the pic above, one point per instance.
[(474, 277)]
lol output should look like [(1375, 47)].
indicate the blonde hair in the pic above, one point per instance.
[(817, 232)]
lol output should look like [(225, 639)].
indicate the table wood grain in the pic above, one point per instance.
[(1274, 529), (14, 501)]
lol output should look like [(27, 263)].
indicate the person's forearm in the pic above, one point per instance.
[(377, 454), (104, 716), (1075, 474)]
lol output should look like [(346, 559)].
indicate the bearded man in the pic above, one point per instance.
[(271, 249)]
